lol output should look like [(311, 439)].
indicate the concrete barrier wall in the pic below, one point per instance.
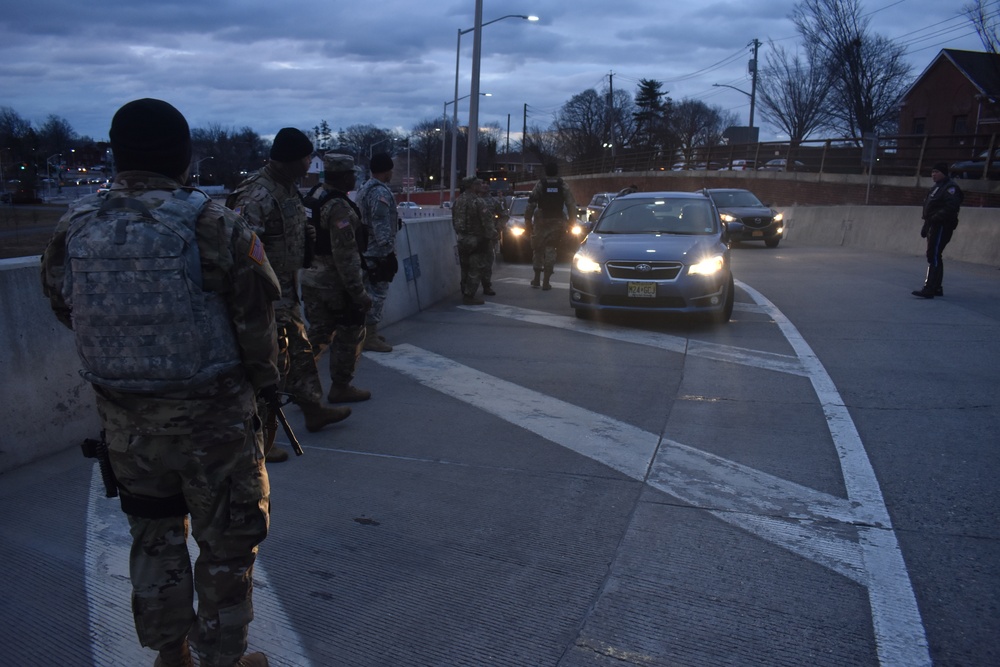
[(45, 406), (893, 229)]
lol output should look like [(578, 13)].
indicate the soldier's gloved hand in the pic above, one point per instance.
[(365, 303), (923, 231), (269, 394)]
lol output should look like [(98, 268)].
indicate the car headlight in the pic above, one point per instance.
[(728, 218), (778, 217), (707, 267), (585, 264), (516, 231), (575, 230)]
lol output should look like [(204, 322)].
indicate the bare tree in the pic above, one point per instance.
[(793, 92), (985, 17), (366, 140), (543, 145), (425, 151), (581, 126), (225, 156), (868, 70), (695, 124)]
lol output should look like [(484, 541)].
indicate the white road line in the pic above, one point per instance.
[(899, 629), (109, 591), (734, 492)]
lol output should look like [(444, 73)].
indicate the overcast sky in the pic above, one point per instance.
[(391, 63)]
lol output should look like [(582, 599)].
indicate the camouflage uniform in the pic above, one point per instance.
[(475, 232), (333, 290), (271, 204), (379, 215), (496, 207), (549, 195), (197, 451)]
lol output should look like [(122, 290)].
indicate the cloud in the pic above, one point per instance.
[(265, 65)]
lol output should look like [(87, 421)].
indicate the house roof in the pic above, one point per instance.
[(982, 69)]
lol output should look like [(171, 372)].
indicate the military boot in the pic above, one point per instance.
[(317, 416), (546, 285), (488, 290), (374, 342), (276, 455), (347, 393), (537, 280), (177, 655)]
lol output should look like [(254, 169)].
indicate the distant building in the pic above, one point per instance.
[(957, 94)]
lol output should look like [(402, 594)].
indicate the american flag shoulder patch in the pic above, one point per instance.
[(256, 250), (342, 224)]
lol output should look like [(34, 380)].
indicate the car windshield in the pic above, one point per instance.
[(517, 206), (736, 199), (658, 216)]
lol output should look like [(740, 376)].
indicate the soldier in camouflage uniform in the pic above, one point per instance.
[(196, 450), (379, 215), (333, 288), (549, 196), (270, 202), (475, 232), (495, 203)]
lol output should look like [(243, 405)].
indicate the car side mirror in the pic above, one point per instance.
[(731, 229)]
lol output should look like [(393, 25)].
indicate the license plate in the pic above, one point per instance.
[(642, 290), (758, 233)]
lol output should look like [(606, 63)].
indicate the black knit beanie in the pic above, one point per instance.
[(290, 145), (941, 166), (381, 163), (151, 135)]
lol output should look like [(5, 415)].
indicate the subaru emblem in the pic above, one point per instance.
[(643, 268)]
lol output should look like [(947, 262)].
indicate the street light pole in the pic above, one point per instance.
[(453, 171), (477, 45), (444, 140), (197, 168), (454, 125)]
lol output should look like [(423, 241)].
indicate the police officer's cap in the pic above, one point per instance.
[(338, 162)]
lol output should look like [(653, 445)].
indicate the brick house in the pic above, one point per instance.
[(956, 96)]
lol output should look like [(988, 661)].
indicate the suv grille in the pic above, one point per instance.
[(756, 221), (622, 270)]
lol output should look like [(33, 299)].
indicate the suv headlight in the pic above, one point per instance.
[(585, 264), (707, 267), (726, 217)]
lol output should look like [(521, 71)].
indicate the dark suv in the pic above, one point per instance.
[(748, 219)]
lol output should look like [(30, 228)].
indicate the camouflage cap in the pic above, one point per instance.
[(338, 162), (468, 182)]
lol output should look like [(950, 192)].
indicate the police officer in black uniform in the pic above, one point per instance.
[(940, 219)]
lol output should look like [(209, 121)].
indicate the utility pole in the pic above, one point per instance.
[(524, 138), (753, 77), (611, 115)]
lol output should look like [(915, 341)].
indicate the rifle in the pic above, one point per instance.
[(98, 449), (270, 396)]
